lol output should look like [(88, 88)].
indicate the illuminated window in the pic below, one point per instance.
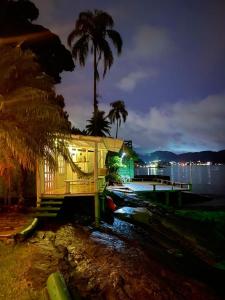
[(61, 165)]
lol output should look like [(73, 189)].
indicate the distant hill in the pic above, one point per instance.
[(203, 156)]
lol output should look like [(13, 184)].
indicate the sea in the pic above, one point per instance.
[(208, 180)]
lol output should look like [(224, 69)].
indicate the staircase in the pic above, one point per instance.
[(49, 208)]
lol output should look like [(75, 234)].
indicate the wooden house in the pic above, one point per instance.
[(83, 174)]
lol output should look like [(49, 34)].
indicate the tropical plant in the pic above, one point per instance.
[(30, 118), (113, 163), (98, 125), (91, 33), (117, 113)]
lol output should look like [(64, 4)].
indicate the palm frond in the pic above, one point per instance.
[(30, 117), (80, 49), (116, 39), (103, 19)]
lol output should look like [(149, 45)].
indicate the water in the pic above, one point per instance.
[(205, 179)]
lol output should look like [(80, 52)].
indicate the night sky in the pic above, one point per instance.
[(171, 74)]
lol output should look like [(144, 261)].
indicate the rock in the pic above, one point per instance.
[(50, 236), (137, 214), (40, 234)]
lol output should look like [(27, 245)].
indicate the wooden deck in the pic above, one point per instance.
[(150, 186), (75, 190)]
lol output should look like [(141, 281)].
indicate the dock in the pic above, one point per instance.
[(163, 189), (151, 186)]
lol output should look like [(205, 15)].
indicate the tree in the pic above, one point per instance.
[(98, 125), (30, 118), (16, 27), (78, 131), (117, 113), (91, 33)]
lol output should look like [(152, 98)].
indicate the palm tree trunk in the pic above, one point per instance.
[(117, 126), (95, 83)]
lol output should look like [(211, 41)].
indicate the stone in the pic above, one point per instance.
[(137, 214)]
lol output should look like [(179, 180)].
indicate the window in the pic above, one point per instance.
[(61, 165), (48, 177)]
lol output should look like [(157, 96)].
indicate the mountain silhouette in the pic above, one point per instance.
[(203, 156)]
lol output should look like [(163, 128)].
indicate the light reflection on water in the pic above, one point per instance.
[(204, 179)]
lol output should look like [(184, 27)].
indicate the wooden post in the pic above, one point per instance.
[(179, 199), (97, 204), (167, 198), (38, 185), (67, 186)]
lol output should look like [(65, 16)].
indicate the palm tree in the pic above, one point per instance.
[(98, 125), (92, 29), (30, 118), (117, 113)]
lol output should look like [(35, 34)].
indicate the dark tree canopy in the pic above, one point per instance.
[(98, 125), (16, 27)]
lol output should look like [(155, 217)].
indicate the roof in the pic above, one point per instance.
[(104, 143)]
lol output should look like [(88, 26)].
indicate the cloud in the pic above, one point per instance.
[(182, 126), (129, 82), (152, 42)]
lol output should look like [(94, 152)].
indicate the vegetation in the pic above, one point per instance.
[(31, 117), (92, 32), (113, 163), (98, 124), (16, 27), (13, 266), (211, 216), (117, 113)]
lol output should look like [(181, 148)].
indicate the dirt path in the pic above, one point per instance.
[(98, 264)]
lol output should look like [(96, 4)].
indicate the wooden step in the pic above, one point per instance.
[(46, 208), (52, 197), (46, 214), (51, 202)]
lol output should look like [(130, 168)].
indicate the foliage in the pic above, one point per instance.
[(30, 118), (92, 33), (75, 130), (211, 216), (98, 125), (113, 178), (113, 163), (16, 27), (117, 113)]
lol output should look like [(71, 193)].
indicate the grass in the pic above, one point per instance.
[(211, 226), (203, 216), (15, 263)]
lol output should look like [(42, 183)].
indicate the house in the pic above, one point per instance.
[(82, 174)]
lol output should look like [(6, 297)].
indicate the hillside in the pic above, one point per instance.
[(203, 156)]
